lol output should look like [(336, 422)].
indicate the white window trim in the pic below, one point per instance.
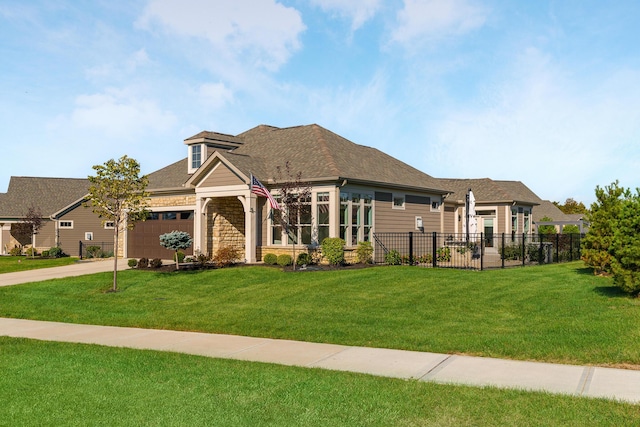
[(109, 225), (393, 201), (437, 208), (69, 227), (88, 236)]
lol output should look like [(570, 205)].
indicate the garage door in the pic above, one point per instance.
[(144, 240)]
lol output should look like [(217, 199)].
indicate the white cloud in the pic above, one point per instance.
[(545, 129), (215, 95), (435, 19), (263, 33), (117, 113), (358, 11)]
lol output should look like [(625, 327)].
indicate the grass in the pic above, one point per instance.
[(555, 313), (10, 264), (48, 383)]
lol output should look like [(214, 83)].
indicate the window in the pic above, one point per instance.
[(514, 220), (276, 224), (435, 206), (167, 216), (301, 222), (65, 224), (322, 216), (196, 156), (88, 235), (109, 225), (398, 202), (356, 218), (526, 221)]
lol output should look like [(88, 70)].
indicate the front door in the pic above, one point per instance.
[(488, 232)]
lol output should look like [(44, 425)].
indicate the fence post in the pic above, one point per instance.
[(571, 247), (524, 250), (557, 248), (481, 251), (411, 248), (502, 250), (434, 244), (80, 248)]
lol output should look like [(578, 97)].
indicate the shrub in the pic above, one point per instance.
[(270, 259), (155, 263), (424, 259), (45, 254), (189, 259), (226, 255), (56, 252), (333, 250), (393, 258), (304, 259), (31, 252), (202, 259), (364, 253), (15, 251), (132, 262), (443, 254), (284, 260), (179, 255), (94, 252), (143, 263)]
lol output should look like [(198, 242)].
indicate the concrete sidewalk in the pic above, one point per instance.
[(585, 381), (78, 269)]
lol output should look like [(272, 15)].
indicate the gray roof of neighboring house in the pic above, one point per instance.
[(549, 210), (488, 190), (49, 195)]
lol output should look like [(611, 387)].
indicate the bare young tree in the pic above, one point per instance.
[(296, 198), (27, 229)]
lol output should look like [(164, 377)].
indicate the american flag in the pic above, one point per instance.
[(259, 189)]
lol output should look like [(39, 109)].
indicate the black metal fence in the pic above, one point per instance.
[(477, 251), (95, 249)]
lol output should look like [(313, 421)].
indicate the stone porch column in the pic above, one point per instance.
[(199, 225), (250, 228)]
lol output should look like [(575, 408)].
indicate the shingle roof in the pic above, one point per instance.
[(172, 176), (320, 153), (49, 195), (488, 190), (549, 210)]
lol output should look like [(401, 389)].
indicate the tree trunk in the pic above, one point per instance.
[(177, 262), (115, 258)]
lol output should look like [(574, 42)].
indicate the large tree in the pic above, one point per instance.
[(571, 207), (117, 194)]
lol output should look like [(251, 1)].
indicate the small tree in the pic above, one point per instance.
[(571, 207), (175, 241), (296, 199), (625, 246), (602, 218), (117, 194), (26, 230)]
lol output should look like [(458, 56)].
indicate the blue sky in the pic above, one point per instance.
[(544, 92)]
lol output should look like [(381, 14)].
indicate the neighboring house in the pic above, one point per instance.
[(557, 218), (66, 221)]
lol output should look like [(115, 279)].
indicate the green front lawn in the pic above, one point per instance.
[(556, 313), (9, 264), (58, 384)]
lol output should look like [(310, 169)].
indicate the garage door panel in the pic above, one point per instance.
[(144, 239)]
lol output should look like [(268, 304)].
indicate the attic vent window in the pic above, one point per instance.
[(196, 156), (66, 224)]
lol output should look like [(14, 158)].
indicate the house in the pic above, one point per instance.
[(550, 214), (355, 191), (65, 222)]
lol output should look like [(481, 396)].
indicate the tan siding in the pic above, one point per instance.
[(46, 237), (84, 220), (403, 220), (220, 177), (450, 219)]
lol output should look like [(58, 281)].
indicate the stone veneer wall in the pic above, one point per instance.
[(225, 224)]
